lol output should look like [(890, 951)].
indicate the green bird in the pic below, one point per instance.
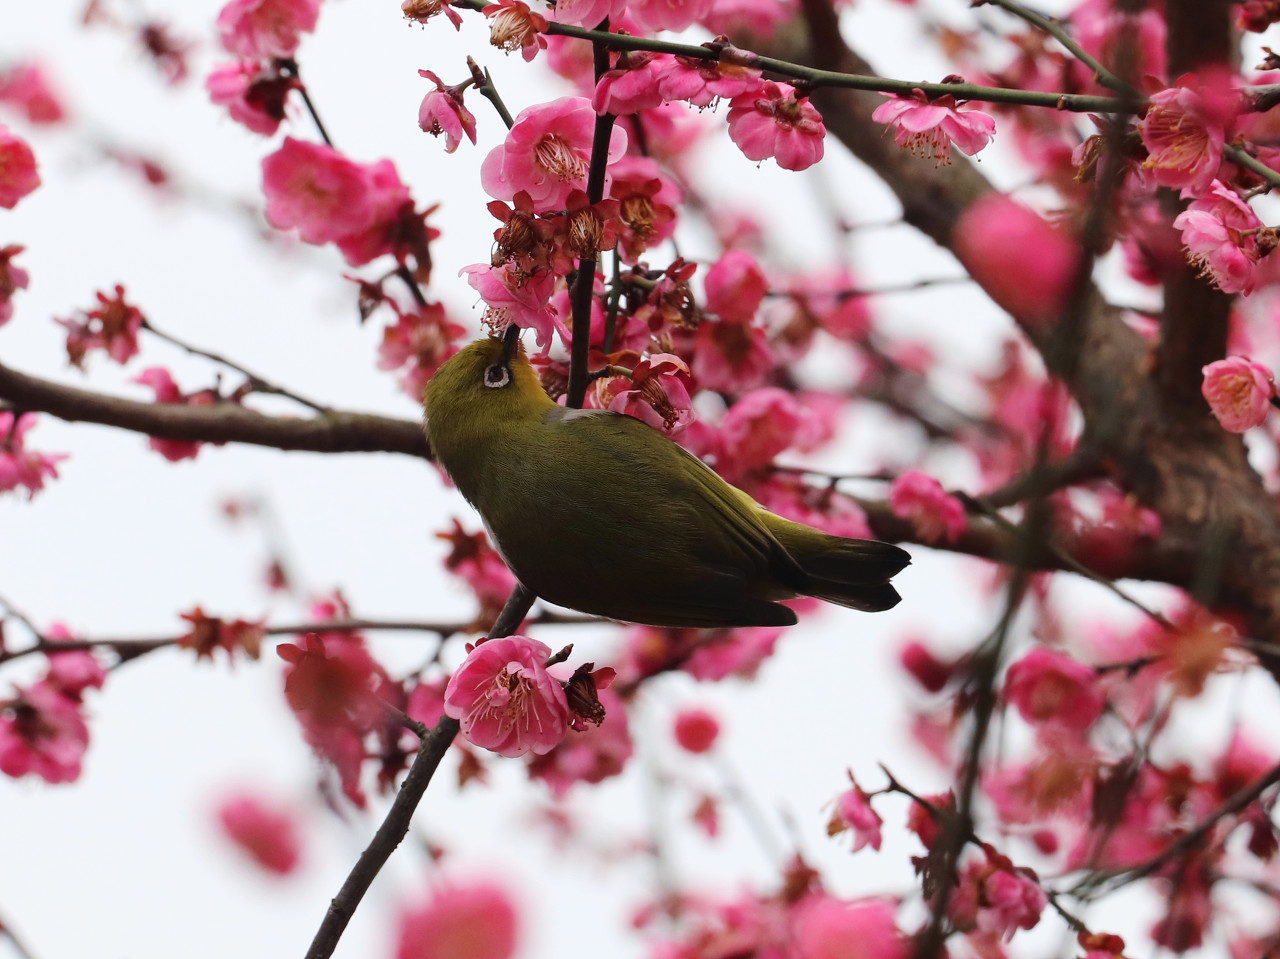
[(601, 513)]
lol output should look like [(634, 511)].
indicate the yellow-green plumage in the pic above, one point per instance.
[(601, 513)]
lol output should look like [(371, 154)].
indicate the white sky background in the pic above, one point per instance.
[(127, 862)]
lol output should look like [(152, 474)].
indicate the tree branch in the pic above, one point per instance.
[(334, 432)]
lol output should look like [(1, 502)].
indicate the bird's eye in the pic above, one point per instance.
[(497, 376)]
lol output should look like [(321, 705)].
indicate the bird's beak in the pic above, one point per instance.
[(510, 343)]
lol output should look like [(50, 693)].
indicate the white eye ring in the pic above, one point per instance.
[(497, 376)]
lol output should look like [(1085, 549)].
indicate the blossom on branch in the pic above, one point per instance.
[(547, 154), (161, 381), (18, 175), (696, 730), (514, 26), (262, 29), (42, 731), (928, 128), (512, 296), (1220, 233), (703, 82), (1050, 687), (1239, 392), (20, 466), (442, 111), (773, 120), (1184, 131), (253, 92), (853, 812), (655, 393), (505, 700)]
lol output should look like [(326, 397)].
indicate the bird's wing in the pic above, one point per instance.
[(720, 508)]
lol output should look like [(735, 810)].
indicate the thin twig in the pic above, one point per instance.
[(256, 382), (1055, 29)]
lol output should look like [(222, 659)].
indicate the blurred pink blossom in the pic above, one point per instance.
[(1239, 392)]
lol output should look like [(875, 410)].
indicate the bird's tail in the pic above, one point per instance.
[(848, 572)]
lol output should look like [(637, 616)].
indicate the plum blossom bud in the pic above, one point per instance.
[(853, 811), (696, 730), (1239, 392), (266, 832)]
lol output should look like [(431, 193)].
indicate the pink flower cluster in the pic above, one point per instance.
[(19, 466), (478, 564), (417, 344), (263, 35), (473, 921), (1220, 235), (42, 727), (161, 381), (363, 209), (337, 690)]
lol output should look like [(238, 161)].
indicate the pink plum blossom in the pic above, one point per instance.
[(512, 296), (253, 93), (925, 668), (43, 732), (735, 286), (1120, 36), (929, 127), (1027, 266), (757, 428), (547, 153), (476, 921), (1012, 900), (336, 691), (20, 466), (1047, 686), (1239, 392), (774, 121), (1185, 134), (265, 831), (505, 700), (632, 86), (12, 279), (854, 812), (703, 82), (18, 175), (827, 928), (1219, 233), (421, 11), (315, 188), (655, 393), (731, 357), (417, 344), (263, 29), (442, 111), (159, 380), (513, 26), (921, 499), (363, 209), (25, 86), (696, 729), (647, 201)]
